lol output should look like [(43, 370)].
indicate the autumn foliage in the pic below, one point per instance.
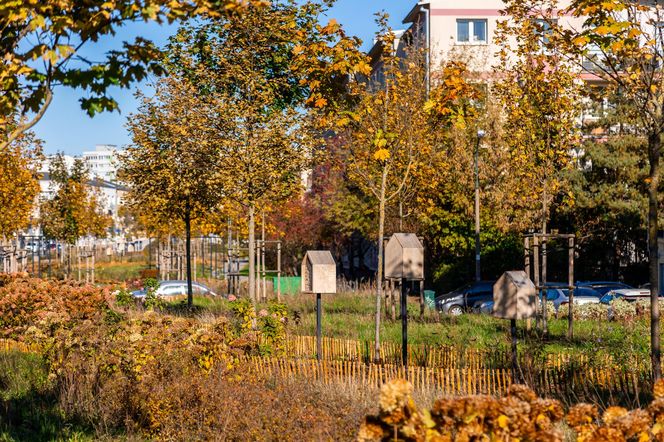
[(520, 415)]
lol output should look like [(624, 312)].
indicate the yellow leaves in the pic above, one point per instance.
[(381, 155), (320, 102), (634, 32), (581, 40), (617, 45), (503, 421)]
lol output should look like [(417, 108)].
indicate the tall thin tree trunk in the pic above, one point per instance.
[(379, 272), (654, 145), (252, 254), (187, 227), (545, 326)]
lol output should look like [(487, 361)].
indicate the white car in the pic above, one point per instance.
[(626, 294), (177, 288)]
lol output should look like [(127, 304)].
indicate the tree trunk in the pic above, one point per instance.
[(654, 145), (252, 254), (545, 326), (187, 228), (379, 271)]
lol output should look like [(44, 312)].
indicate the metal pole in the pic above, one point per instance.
[(404, 324), (319, 328), (480, 134), (477, 213), (515, 366)]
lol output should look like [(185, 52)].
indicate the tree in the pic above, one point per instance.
[(610, 204), (74, 211), (539, 89), (170, 169), (388, 132), (623, 42), (258, 73), (18, 183), (41, 43)]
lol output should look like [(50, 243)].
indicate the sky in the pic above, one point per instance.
[(66, 128)]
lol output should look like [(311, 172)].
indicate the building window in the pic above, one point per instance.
[(544, 30), (472, 31)]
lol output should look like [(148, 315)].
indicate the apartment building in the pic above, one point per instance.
[(454, 30), (101, 162)]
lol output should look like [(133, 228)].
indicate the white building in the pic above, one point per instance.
[(102, 170), (102, 162)]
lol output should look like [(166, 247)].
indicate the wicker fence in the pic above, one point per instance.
[(437, 356), (452, 372), (608, 385)]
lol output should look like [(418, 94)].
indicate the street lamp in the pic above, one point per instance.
[(480, 135)]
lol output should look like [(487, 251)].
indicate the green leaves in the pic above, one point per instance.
[(59, 29)]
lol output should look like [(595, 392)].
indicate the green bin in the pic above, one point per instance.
[(430, 299), (290, 285)]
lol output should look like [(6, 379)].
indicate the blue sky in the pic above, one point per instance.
[(65, 127)]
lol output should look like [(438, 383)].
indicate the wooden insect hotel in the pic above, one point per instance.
[(404, 257), (514, 296), (319, 272)]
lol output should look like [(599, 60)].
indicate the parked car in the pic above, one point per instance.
[(466, 298), (629, 295), (603, 287), (556, 293), (177, 288)]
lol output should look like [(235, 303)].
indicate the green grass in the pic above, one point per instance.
[(28, 407), (352, 317), (115, 272)]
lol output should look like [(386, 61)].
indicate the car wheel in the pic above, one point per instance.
[(455, 310)]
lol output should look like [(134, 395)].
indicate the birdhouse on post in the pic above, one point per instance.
[(404, 260), (319, 272), (404, 257), (514, 296), (319, 275)]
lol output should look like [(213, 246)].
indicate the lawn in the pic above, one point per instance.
[(351, 316)]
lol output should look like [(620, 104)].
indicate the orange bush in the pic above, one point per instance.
[(36, 305)]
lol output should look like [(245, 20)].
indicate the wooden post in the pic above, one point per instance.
[(545, 326), (279, 271), (526, 268), (536, 274), (422, 300), (570, 280)]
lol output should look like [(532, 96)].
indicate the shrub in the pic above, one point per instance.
[(520, 415), (149, 273), (124, 298), (30, 306)]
